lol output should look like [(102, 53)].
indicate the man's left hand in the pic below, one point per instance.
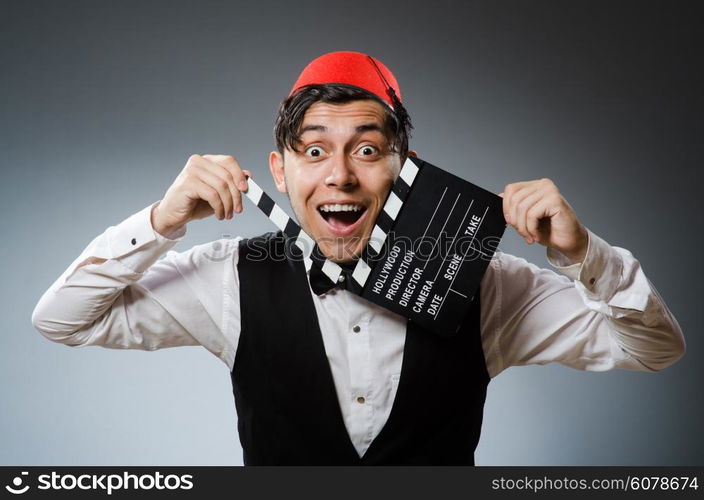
[(539, 213)]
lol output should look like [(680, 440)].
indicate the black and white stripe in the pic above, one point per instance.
[(382, 227)]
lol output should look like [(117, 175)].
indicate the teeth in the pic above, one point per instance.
[(340, 208)]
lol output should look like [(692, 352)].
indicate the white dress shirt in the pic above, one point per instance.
[(128, 290)]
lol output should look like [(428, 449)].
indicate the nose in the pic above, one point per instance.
[(341, 174)]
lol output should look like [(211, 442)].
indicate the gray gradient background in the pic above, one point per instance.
[(102, 102)]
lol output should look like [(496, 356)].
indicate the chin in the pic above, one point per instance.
[(339, 249)]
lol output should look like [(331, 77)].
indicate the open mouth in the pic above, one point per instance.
[(342, 218)]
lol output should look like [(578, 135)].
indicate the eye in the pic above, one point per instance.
[(368, 150), (314, 151)]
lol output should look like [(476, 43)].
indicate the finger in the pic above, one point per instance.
[(210, 194), (533, 217), (226, 168), (509, 191), (239, 179), (505, 203), (197, 165), (220, 185), (247, 175), (535, 214), (231, 163), (517, 199), (522, 217)]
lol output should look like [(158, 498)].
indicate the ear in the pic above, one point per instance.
[(276, 167), (412, 153)]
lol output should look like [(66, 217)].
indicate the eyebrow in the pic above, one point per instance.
[(360, 128)]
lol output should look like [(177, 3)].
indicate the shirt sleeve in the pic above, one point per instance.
[(128, 290), (597, 315)]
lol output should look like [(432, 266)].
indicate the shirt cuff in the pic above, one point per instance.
[(135, 243), (599, 275)]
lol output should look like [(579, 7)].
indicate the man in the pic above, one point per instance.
[(329, 378)]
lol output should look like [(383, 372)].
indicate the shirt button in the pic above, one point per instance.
[(360, 400), (134, 241), (592, 280), (340, 279), (356, 329)]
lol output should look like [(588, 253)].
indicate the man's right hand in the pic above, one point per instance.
[(208, 184)]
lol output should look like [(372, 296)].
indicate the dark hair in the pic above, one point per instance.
[(397, 123)]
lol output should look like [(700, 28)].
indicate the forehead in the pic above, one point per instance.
[(338, 115)]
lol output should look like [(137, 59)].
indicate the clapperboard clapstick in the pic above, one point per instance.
[(427, 252)]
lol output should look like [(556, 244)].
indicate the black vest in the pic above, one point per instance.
[(287, 406)]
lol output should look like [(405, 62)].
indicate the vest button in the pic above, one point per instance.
[(360, 400), (356, 329)]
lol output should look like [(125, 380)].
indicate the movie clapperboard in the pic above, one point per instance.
[(429, 248)]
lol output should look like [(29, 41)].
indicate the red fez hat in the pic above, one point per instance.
[(351, 68)]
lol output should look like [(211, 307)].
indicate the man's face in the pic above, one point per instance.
[(339, 178)]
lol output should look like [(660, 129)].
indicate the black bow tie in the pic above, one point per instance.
[(320, 283)]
